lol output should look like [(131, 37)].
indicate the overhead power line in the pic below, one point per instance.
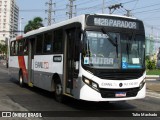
[(63, 9), (11, 31), (147, 11), (86, 2), (147, 6), (128, 2)]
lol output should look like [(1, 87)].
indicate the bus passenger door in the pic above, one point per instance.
[(31, 61), (71, 48)]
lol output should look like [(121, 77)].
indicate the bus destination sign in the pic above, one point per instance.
[(112, 22), (115, 23)]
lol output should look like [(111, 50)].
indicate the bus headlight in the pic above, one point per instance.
[(90, 83), (142, 84)]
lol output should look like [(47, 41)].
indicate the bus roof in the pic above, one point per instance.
[(114, 15), (80, 19)]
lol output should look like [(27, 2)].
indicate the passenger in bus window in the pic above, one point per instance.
[(134, 50), (25, 48), (48, 47), (112, 54)]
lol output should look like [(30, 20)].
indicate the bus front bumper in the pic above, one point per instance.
[(89, 94)]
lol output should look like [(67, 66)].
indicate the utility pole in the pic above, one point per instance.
[(50, 11), (112, 8), (70, 11), (151, 42), (152, 30), (20, 24), (103, 7)]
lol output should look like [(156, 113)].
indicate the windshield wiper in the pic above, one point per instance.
[(110, 38), (132, 39)]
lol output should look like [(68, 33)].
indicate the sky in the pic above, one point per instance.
[(145, 10)]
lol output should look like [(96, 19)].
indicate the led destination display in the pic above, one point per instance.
[(113, 22)]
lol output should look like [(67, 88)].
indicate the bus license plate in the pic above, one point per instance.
[(120, 94)]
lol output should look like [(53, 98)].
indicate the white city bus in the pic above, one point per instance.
[(89, 57)]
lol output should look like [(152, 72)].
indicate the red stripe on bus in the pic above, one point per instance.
[(22, 65), (19, 37), (21, 61)]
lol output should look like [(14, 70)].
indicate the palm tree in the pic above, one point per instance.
[(33, 24)]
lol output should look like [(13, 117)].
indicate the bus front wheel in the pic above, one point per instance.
[(58, 92)]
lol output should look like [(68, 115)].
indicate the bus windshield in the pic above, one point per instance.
[(101, 50), (133, 51), (113, 50)]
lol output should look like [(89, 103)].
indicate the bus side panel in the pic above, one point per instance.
[(14, 67), (44, 69)]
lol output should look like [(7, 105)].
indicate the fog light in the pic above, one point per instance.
[(94, 85), (90, 83), (87, 81)]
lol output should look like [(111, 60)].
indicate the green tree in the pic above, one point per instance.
[(3, 49), (150, 64), (33, 24)]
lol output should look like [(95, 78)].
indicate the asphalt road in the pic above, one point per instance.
[(15, 98)]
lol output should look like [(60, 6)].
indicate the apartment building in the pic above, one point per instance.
[(9, 14)]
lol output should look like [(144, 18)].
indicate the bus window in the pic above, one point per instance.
[(47, 42), (20, 47), (57, 42), (16, 47), (77, 44), (12, 48), (39, 44), (25, 50)]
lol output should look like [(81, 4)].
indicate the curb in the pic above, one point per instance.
[(152, 77)]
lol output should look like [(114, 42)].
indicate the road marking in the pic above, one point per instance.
[(153, 94)]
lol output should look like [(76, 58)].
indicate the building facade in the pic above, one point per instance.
[(9, 14)]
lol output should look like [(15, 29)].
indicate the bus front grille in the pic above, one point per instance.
[(111, 93), (119, 75)]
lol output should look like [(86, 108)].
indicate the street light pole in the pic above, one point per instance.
[(20, 25), (103, 7)]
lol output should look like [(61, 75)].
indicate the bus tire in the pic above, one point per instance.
[(21, 81), (58, 92)]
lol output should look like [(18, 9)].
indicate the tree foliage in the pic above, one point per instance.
[(150, 64), (3, 49), (33, 24)]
